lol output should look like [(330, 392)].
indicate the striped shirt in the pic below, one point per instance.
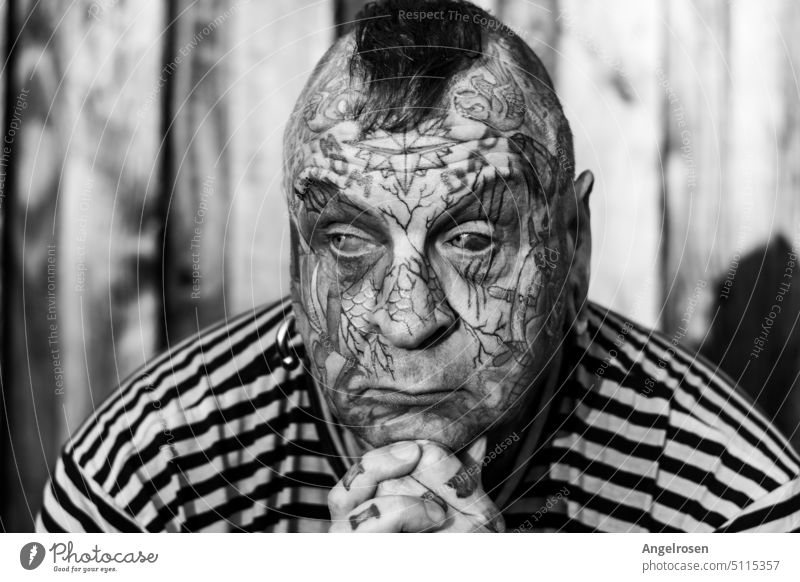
[(216, 435)]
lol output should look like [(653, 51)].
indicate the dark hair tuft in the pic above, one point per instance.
[(405, 64)]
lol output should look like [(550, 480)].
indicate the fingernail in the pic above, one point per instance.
[(431, 496), (434, 511), (405, 451)]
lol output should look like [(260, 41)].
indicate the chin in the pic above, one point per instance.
[(448, 432)]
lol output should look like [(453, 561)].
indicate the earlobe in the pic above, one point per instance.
[(579, 275), (576, 201), (583, 187)]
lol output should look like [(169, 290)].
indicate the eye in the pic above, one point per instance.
[(475, 236), (471, 242), (350, 242)]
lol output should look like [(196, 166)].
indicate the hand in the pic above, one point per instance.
[(414, 486), (354, 507), (454, 483)]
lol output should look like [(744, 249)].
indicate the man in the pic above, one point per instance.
[(449, 373)]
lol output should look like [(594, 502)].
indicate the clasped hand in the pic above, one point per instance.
[(414, 486)]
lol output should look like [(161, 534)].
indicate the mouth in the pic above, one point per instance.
[(392, 397)]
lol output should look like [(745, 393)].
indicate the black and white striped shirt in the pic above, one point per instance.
[(216, 435)]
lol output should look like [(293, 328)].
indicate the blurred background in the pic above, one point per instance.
[(140, 184)]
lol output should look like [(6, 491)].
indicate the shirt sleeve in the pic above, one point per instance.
[(777, 511), (75, 502)]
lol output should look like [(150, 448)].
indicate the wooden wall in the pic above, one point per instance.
[(141, 189)]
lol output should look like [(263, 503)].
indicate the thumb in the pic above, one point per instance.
[(473, 454)]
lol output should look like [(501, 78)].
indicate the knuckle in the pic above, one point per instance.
[(411, 515), (399, 451), (376, 457), (435, 451), (337, 499), (394, 513), (433, 455)]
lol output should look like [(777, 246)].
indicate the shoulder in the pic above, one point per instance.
[(675, 435), (202, 398), (695, 392), (205, 371)]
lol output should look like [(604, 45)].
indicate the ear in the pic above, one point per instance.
[(579, 249)]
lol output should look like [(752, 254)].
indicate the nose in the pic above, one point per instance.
[(413, 313)]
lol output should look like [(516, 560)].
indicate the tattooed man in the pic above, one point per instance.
[(446, 370)]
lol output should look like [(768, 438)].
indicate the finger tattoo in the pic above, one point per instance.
[(359, 518), (464, 483), (353, 472)]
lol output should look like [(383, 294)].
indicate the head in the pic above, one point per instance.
[(440, 241)]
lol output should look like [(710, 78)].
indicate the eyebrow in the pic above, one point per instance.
[(488, 198), (496, 194), (320, 193)]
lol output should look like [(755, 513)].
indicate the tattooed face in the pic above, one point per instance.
[(429, 265)]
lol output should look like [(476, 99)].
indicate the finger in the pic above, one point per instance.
[(473, 457), (474, 453), (481, 515), (440, 470), (361, 480), (457, 483), (409, 487), (398, 513), (400, 486)]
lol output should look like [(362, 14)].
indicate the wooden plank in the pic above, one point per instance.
[(536, 23), (697, 86), (110, 124), (32, 371), (200, 71), (755, 342), (5, 152), (82, 299), (279, 45), (786, 21), (607, 79), (5, 158)]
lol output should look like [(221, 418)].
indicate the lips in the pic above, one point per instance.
[(394, 397)]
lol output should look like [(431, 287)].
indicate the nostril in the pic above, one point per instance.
[(436, 336)]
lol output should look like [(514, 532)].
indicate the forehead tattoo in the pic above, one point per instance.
[(507, 101), (493, 134)]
